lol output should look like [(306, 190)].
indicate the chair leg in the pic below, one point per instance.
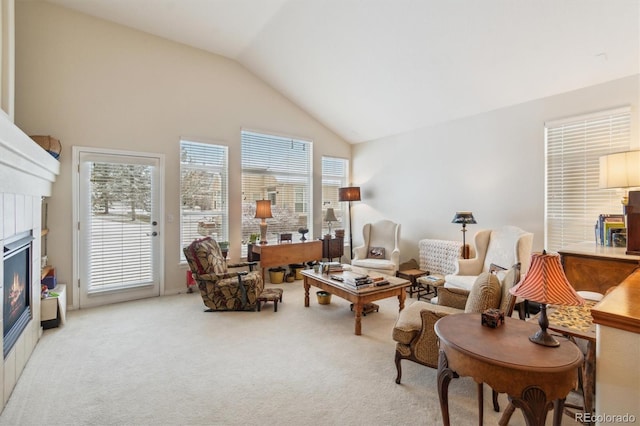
[(494, 397), (398, 368)]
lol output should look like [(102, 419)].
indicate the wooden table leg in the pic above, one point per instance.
[(306, 292), (445, 374), (558, 411), (357, 307), (401, 298), (534, 405), (480, 403)]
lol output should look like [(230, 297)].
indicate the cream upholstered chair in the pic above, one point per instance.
[(380, 250), (503, 246)]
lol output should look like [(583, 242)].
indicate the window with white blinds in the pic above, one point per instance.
[(334, 175), (279, 169), (573, 149), (203, 192)]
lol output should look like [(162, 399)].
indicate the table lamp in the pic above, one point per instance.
[(263, 211), (329, 217), (349, 193), (546, 283), (464, 218), (620, 170)]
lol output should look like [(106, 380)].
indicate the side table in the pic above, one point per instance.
[(535, 377), (430, 283), (412, 275)]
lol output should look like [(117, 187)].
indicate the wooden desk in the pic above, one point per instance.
[(596, 268), (359, 298), (534, 376), (287, 253)]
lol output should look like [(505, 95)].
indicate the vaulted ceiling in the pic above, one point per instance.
[(373, 68)]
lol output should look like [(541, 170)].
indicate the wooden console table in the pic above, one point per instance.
[(534, 376), (287, 253), (593, 267)]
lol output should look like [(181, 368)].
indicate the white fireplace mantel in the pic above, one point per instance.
[(27, 173)]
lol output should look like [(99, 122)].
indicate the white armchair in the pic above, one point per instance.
[(504, 246), (380, 250)]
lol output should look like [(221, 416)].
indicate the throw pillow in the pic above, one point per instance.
[(376, 253), (485, 293)]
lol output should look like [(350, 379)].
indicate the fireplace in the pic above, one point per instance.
[(17, 288)]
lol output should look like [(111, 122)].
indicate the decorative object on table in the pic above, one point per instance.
[(546, 283), (329, 217), (303, 231), (339, 233), (263, 211), (464, 218), (349, 194), (324, 298), (253, 238), (492, 318)]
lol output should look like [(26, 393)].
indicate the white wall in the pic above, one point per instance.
[(491, 164), (93, 83)]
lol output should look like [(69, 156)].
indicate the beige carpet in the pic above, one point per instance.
[(163, 361)]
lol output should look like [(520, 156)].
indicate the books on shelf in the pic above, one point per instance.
[(605, 225)]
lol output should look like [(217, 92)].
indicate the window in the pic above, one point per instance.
[(335, 172), (573, 149), (203, 192), (278, 169)]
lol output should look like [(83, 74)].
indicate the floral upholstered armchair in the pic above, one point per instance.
[(220, 289)]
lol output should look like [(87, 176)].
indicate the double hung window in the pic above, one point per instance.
[(573, 199), (334, 175), (278, 169), (203, 192)]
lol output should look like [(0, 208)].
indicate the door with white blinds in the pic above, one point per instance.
[(118, 234)]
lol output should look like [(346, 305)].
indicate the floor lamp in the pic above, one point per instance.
[(349, 193)]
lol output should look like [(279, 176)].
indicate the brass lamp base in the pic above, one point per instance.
[(542, 337)]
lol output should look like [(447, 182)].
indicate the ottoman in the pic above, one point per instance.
[(270, 295)]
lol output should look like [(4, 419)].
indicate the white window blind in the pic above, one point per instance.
[(334, 175), (203, 192), (279, 169), (573, 149)]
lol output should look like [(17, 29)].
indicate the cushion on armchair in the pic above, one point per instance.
[(485, 293)]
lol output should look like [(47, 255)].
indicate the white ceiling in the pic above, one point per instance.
[(374, 68)]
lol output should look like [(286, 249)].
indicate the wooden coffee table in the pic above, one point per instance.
[(359, 298)]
